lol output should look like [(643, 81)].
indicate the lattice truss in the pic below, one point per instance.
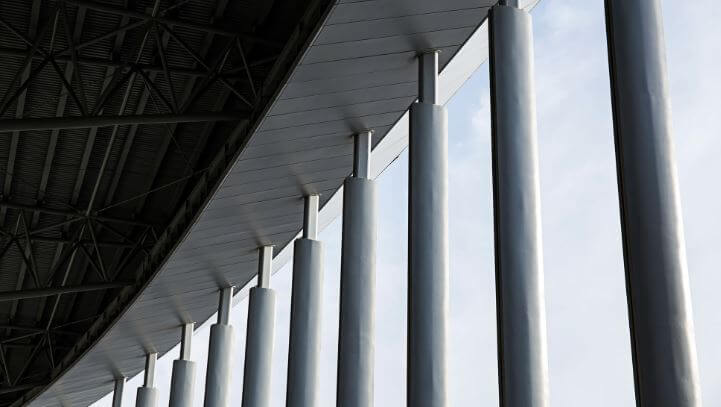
[(110, 112)]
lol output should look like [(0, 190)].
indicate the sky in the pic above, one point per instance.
[(589, 345)]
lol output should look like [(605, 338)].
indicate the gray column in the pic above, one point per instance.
[(220, 355), (259, 342), (657, 286), (305, 312), (147, 394), (428, 243), (118, 391), (356, 342), (522, 348), (182, 382)]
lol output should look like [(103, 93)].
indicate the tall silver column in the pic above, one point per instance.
[(147, 394), (259, 342), (657, 286), (356, 342), (305, 312), (428, 243), (522, 348), (182, 382), (220, 354), (118, 391)]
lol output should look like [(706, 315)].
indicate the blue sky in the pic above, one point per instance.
[(589, 348)]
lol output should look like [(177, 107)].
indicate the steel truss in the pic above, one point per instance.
[(103, 250), (170, 106), (75, 237)]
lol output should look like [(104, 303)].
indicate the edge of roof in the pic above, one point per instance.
[(469, 58)]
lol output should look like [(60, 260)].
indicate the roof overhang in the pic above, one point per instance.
[(357, 71)]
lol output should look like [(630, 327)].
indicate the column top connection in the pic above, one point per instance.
[(512, 3), (362, 154), (118, 391), (226, 296), (149, 379), (265, 266), (186, 341), (428, 77), (310, 217)]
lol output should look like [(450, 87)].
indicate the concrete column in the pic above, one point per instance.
[(657, 286), (428, 243), (118, 392), (182, 382), (305, 312), (259, 342), (220, 355), (522, 348), (356, 342), (147, 394)]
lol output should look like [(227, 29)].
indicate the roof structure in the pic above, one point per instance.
[(148, 147), (111, 113)]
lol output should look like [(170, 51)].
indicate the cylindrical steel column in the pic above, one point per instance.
[(147, 397), (356, 341), (522, 348), (428, 244), (220, 351), (182, 381), (118, 391), (657, 286), (305, 312), (259, 342), (147, 394)]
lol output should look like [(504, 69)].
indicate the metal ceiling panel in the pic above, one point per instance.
[(400, 26), (325, 86)]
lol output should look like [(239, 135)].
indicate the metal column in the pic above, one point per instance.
[(182, 382), (147, 394), (428, 243), (356, 342), (259, 342), (657, 286), (305, 312), (118, 392), (522, 348), (220, 354)]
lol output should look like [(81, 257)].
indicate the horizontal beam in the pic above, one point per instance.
[(84, 122), (34, 329), (100, 62), (18, 388), (69, 213), (119, 11), (47, 292), (238, 72), (20, 345), (59, 240), (22, 328), (84, 242)]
